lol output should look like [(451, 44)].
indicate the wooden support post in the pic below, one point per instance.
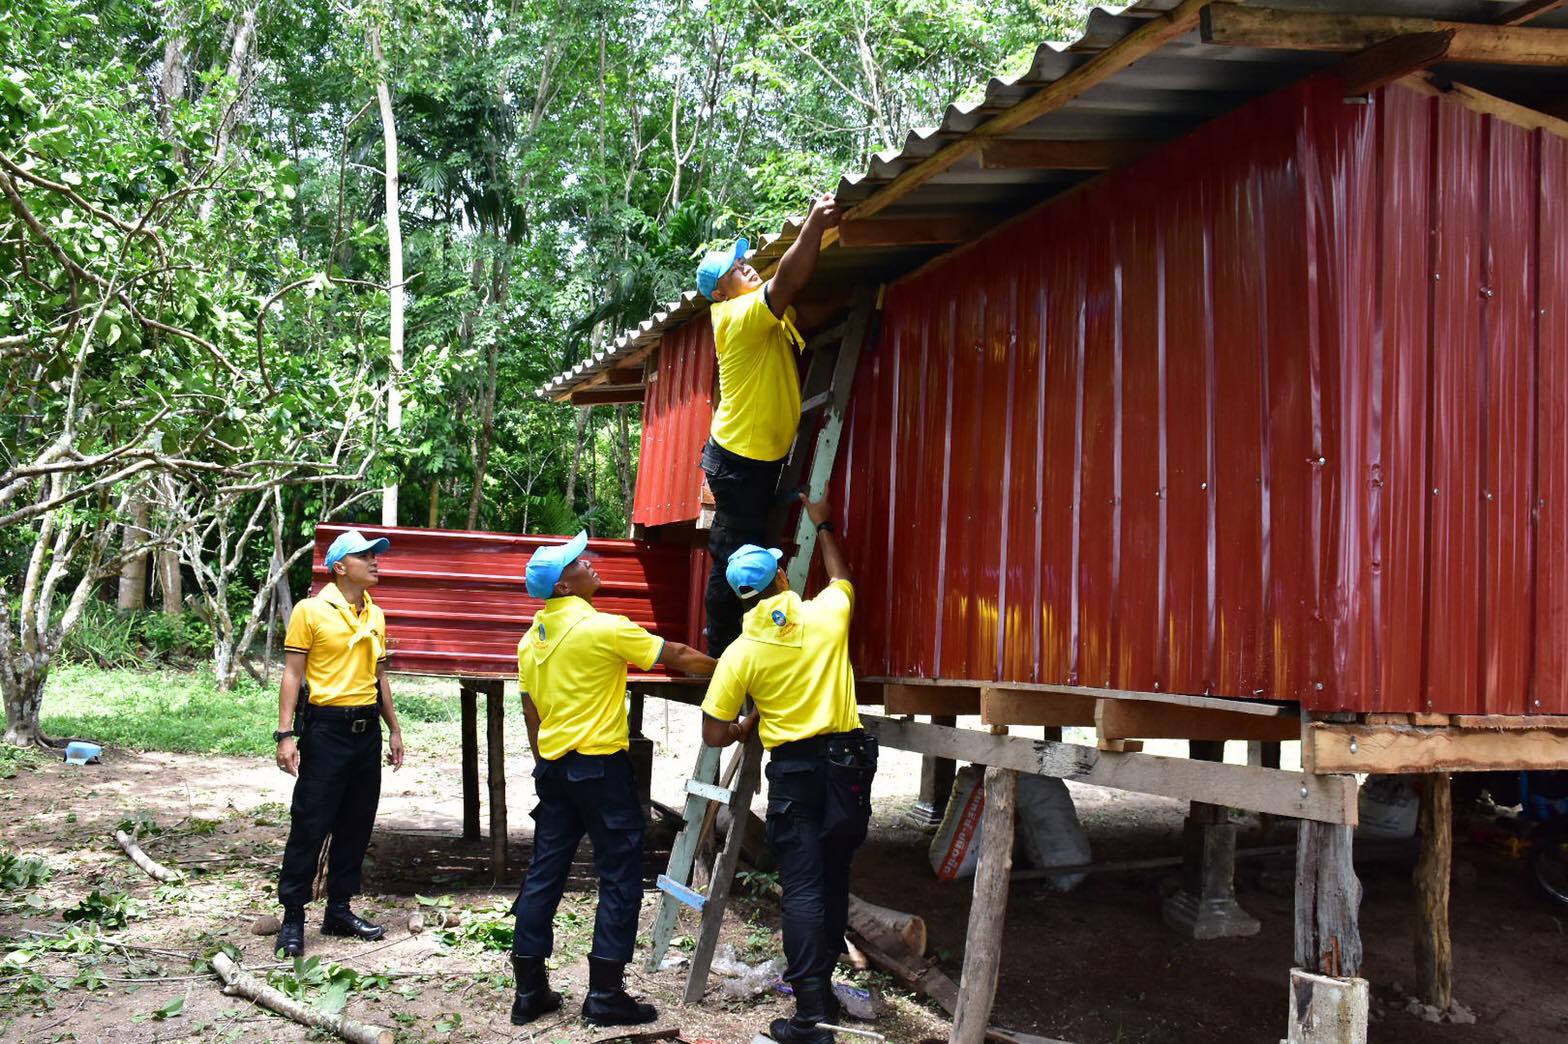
[(468, 698), (1434, 956), (988, 910), (936, 781), (495, 741), (1328, 999)]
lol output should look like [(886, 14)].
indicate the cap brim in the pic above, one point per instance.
[(742, 248), (380, 545), (574, 549), (776, 553)]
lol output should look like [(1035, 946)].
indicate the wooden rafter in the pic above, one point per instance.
[(1228, 23), (1034, 154), (1488, 104), (1396, 57), (606, 396), (1410, 749), (914, 231), (1530, 9)]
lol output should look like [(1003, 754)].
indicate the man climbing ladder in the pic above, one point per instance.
[(755, 339)]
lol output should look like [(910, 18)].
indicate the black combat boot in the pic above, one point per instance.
[(811, 1007), (608, 1003), (340, 920), (533, 996), (291, 934)]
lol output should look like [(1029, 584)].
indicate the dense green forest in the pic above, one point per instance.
[(263, 262)]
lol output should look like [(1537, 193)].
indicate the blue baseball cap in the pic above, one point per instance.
[(717, 262), (751, 569), (546, 565), (352, 543)]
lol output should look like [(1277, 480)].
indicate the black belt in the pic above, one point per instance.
[(358, 719), (826, 745)]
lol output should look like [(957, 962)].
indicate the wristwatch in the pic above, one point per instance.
[(282, 734), (826, 524)]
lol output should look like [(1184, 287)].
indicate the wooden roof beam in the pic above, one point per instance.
[(1519, 14), (1035, 154), (1233, 24), (1396, 57), (606, 396), (936, 229)]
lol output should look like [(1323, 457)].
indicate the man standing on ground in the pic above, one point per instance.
[(337, 643), (792, 657), (571, 668), (756, 342)]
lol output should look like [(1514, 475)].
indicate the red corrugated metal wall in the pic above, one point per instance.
[(455, 603), (1278, 412), (676, 414)]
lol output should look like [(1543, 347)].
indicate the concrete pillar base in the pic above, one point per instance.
[(924, 815), (1219, 917), (1326, 1010), (1205, 906)]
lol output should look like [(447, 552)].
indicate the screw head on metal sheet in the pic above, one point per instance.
[(1353, 746), (1488, 494), (1434, 491), (1303, 790), (1203, 485), (1318, 686), (1486, 291)]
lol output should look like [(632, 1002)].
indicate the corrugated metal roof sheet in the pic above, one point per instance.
[(1159, 98)]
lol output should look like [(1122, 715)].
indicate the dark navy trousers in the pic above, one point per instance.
[(338, 790), (578, 794), (819, 808), (743, 495)]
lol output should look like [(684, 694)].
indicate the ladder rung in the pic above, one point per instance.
[(708, 790), (816, 402), (828, 338), (680, 893)]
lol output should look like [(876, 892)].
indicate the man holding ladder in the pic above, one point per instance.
[(792, 658)]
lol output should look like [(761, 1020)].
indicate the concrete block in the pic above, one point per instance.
[(1326, 1010)]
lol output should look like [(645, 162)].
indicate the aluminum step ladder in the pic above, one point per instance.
[(835, 356)]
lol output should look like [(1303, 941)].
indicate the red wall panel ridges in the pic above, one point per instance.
[(676, 414), (1277, 413), (455, 603)]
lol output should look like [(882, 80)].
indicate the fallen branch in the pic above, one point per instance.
[(238, 982), (154, 869)]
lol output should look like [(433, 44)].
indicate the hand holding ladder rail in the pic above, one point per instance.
[(825, 391)]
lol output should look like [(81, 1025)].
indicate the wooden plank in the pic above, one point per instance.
[(1510, 722), (1487, 104), (469, 714), (1328, 901), (1240, 706), (1331, 799), (495, 749), (1035, 154), (1146, 39), (1394, 749), (682, 894), (988, 909), (683, 854), (723, 875), (1434, 953), (1126, 719), (608, 396), (1006, 706), (1519, 14), (1429, 720), (1386, 719), (1248, 26), (938, 229), (709, 791), (899, 698), (1396, 57)]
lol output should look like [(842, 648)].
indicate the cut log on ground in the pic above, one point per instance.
[(869, 919), (240, 983), (150, 866)]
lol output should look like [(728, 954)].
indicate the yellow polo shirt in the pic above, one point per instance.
[(342, 646), (792, 656), (759, 387), (572, 664)]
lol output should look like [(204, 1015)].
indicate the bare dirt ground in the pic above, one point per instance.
[(1092, 966)]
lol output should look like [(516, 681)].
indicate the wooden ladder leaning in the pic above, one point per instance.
[(835, 355)]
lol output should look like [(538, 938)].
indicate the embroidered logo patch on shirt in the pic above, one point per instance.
[(779, 618)]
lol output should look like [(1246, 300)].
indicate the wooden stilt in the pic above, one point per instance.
[(495, 740), (470, 726), (988, 910), (1434, 955), (1328, 999), (936, 781)]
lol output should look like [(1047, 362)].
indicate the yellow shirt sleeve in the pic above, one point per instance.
[(838, 599), (635, 645), (302, 630), (726, 690)]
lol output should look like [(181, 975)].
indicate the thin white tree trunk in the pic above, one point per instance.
[(133, 573), (394, 263)]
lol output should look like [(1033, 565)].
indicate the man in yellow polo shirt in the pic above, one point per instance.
[(337, 644), (756, 342), (792, 657), (571, 668)]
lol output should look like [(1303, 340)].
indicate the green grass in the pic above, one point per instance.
[(184, 711)]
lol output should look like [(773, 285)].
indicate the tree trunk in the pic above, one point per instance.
[(244, 32), (435, 504), (171, 81), (577, 460), (169, 581), (394, 264), (21, 710), (623, 461), (133, 573), (497, 291)]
